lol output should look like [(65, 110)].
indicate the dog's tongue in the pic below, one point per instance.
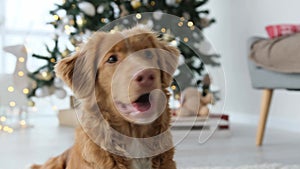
[(142, 104), (141, 107)]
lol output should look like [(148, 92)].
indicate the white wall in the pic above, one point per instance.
[(237, 20)]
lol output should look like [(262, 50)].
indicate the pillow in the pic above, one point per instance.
[(275, 31)]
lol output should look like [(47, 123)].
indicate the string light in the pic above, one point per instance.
[(182, 19), (180, 24), (54, 107), (20, 73), (79, 21), (56, 17), (0, 127), (30, 103), (152, 3), (138, 16), (192, 28), (173, 43), (190, 24), (10, 130), (67, 29), (44, 74), (25, 90), (52, 60), (21, 59), (10, 89), (22, 122), (104, 20), (185, 39), (5, 128), (2, 119), (163, 30), (173, 87), (12, 104)]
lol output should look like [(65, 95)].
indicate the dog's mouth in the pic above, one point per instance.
[(142, 103), (145, 108)]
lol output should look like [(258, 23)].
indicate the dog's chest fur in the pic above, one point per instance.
[(141, 163)]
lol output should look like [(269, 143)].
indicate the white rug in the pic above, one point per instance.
[(261, 166)]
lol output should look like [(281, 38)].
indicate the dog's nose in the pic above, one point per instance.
[(145, 78)]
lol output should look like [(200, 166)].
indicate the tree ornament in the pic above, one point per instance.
[(196, 63), (60, 93), (87, 8), (125, 21), (136, 4), (124, 11), (150, 24), (31, 103), (100, 9), (40, 92), (177, 72), (181, 60), (195, 35), (65, 53), (58, 82), (186, 16), (157, 15), (205, 22), (172, 3), (205, 47)]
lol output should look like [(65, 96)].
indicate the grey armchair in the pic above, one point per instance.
[(268, 81)]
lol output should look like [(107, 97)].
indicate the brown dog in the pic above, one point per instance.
[(121, 80)]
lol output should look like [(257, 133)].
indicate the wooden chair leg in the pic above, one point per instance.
[(265, 105)]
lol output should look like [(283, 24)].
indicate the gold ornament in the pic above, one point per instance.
[(136, 4), (52, 60), (65, 53), (31, 103)]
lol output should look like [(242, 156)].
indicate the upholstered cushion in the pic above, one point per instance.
[(263, 78), (280, 54)]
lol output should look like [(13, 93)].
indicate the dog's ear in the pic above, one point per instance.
[(78, 74), (168, 63), (79, 70), (64, 68)]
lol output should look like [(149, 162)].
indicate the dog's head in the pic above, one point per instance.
[(127, 71)]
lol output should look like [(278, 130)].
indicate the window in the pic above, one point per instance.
[(25, 22)]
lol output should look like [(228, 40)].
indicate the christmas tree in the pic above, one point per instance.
[(77, 19)]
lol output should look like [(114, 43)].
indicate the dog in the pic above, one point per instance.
[(121, 79)]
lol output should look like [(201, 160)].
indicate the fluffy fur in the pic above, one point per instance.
[(92, 80)]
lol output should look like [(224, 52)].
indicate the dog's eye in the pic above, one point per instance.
[(148, 54), (112, 59)]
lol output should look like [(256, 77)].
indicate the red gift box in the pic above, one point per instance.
[(281, 30)]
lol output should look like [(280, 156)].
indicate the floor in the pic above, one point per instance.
[(225, 148)]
